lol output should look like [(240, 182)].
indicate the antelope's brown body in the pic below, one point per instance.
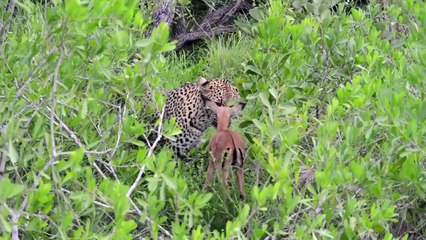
[(231, 143), (226, 141)]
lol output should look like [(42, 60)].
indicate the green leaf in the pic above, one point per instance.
[(410, 170), (138, 20), (256, 13), (77, 156), (245, 123), (5, 224), (143, 43), (274, 93), (250, 69), (169, 182), (83, 111), (13, 154), (9, 189), (369, 131), (137, 142), (264, 99), (168, 47), (206, 198), (287, 109)]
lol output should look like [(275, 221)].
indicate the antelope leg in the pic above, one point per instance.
[(240, 181), (227, 168), (210, 172)]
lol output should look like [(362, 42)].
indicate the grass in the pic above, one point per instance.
[(224, 56)]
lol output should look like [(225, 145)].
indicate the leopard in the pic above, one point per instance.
[(187, 106)]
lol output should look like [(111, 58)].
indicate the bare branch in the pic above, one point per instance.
[(30, 79), (70, 133), (141, 172), (15, 217), (15, 231), (2, 164), (216, 22), (67, 129), (103, 204), (53, 106), (99, 170), (151, 150), (192, 36), (164, 13), (139, 212), (120, 128), (220, 16), (5, 27), (121, 115)]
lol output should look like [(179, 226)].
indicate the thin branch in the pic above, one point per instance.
[(15, 217), (192, 36), (30, 79), (120, 128), (94, 152), (5, 28), (70, 133), (151, 150), (121, 115), (109, 168), (2, 164), (103, 205), (134, 185), (99, 171), (220, 16), (147, 141), (15, 231), (139, 212), (53, 106), (27, 214)]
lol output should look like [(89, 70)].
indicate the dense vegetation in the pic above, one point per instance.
[(335, 123)]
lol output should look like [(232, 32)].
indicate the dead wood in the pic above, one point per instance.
[(216, 22), (192, 36), (164, 13)]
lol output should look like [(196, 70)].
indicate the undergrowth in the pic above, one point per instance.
[(334, 124)]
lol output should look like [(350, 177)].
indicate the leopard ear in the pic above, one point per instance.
[(202, 82)]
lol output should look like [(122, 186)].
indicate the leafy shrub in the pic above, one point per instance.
[(364, 147), (334, 123)]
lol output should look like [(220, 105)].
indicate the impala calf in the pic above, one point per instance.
[(226, 141)]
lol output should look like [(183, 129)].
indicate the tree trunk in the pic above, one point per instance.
[(164, 13), (215, 23)]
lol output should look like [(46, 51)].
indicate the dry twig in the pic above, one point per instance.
[(15, 217), (141, 172), (4, 27), (150, 152)]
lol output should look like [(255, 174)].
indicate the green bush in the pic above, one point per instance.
[(366, 146), (335, 124)]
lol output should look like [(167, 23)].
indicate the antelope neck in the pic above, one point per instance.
[(222, 120)]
